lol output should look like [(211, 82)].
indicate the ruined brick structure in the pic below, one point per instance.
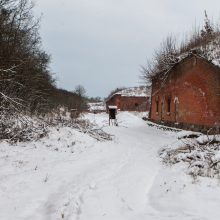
[(131, 99), (188, 96)]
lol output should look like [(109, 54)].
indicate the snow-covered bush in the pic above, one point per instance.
[(201, 154), (62, 118), (27, 86), (22, 128)]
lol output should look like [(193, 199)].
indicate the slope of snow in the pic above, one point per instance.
[(212, 51), (135, 91), (69, 175), (141, 91)]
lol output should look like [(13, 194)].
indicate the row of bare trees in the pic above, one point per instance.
[(27, 87), (171, 52), (25, 79), (26, 84)]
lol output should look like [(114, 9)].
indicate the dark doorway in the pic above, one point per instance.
[(176, 111), (162, 111)]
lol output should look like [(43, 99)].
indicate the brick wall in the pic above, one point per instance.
[(190, 94), (114, 100), (133, 103), (125, 103)]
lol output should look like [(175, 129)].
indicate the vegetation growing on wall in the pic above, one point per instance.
[(199, 41)]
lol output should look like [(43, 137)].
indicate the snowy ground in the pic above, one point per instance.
[(69, 175)]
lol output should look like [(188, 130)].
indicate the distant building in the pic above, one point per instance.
[(131, 99), (97, 107), (188, 96)]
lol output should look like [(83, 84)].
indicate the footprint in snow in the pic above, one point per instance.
[(92, 186)]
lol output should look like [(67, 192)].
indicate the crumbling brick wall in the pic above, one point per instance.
[(190, 94), (125, 103)]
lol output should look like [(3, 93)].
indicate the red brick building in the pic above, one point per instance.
[(131, 99), (188, 96)]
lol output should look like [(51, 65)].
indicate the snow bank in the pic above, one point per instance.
[(188, 134)]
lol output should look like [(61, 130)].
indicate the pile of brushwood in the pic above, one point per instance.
[(63, 118), (200, 152)]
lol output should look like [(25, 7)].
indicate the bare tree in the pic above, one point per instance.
[(164, 58), (170, 52)]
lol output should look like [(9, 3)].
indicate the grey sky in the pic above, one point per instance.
[(101, 44)]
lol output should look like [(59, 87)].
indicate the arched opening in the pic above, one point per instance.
[(168, 104), (157, 106), (176, 109)]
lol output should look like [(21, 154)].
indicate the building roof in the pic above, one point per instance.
[(134, 92), (141, 91), (209, 53), (183, 58), (209, 57)]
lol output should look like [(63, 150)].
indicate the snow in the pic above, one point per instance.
[(207, 138), (135, 92), (212, 51), (70, 175), (97, 106), (141, 91), (112, 107), (183, 134)]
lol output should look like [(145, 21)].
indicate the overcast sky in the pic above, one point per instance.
[(101, 44)]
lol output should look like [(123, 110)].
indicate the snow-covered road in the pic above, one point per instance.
[(72, 176), (126, 172)]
